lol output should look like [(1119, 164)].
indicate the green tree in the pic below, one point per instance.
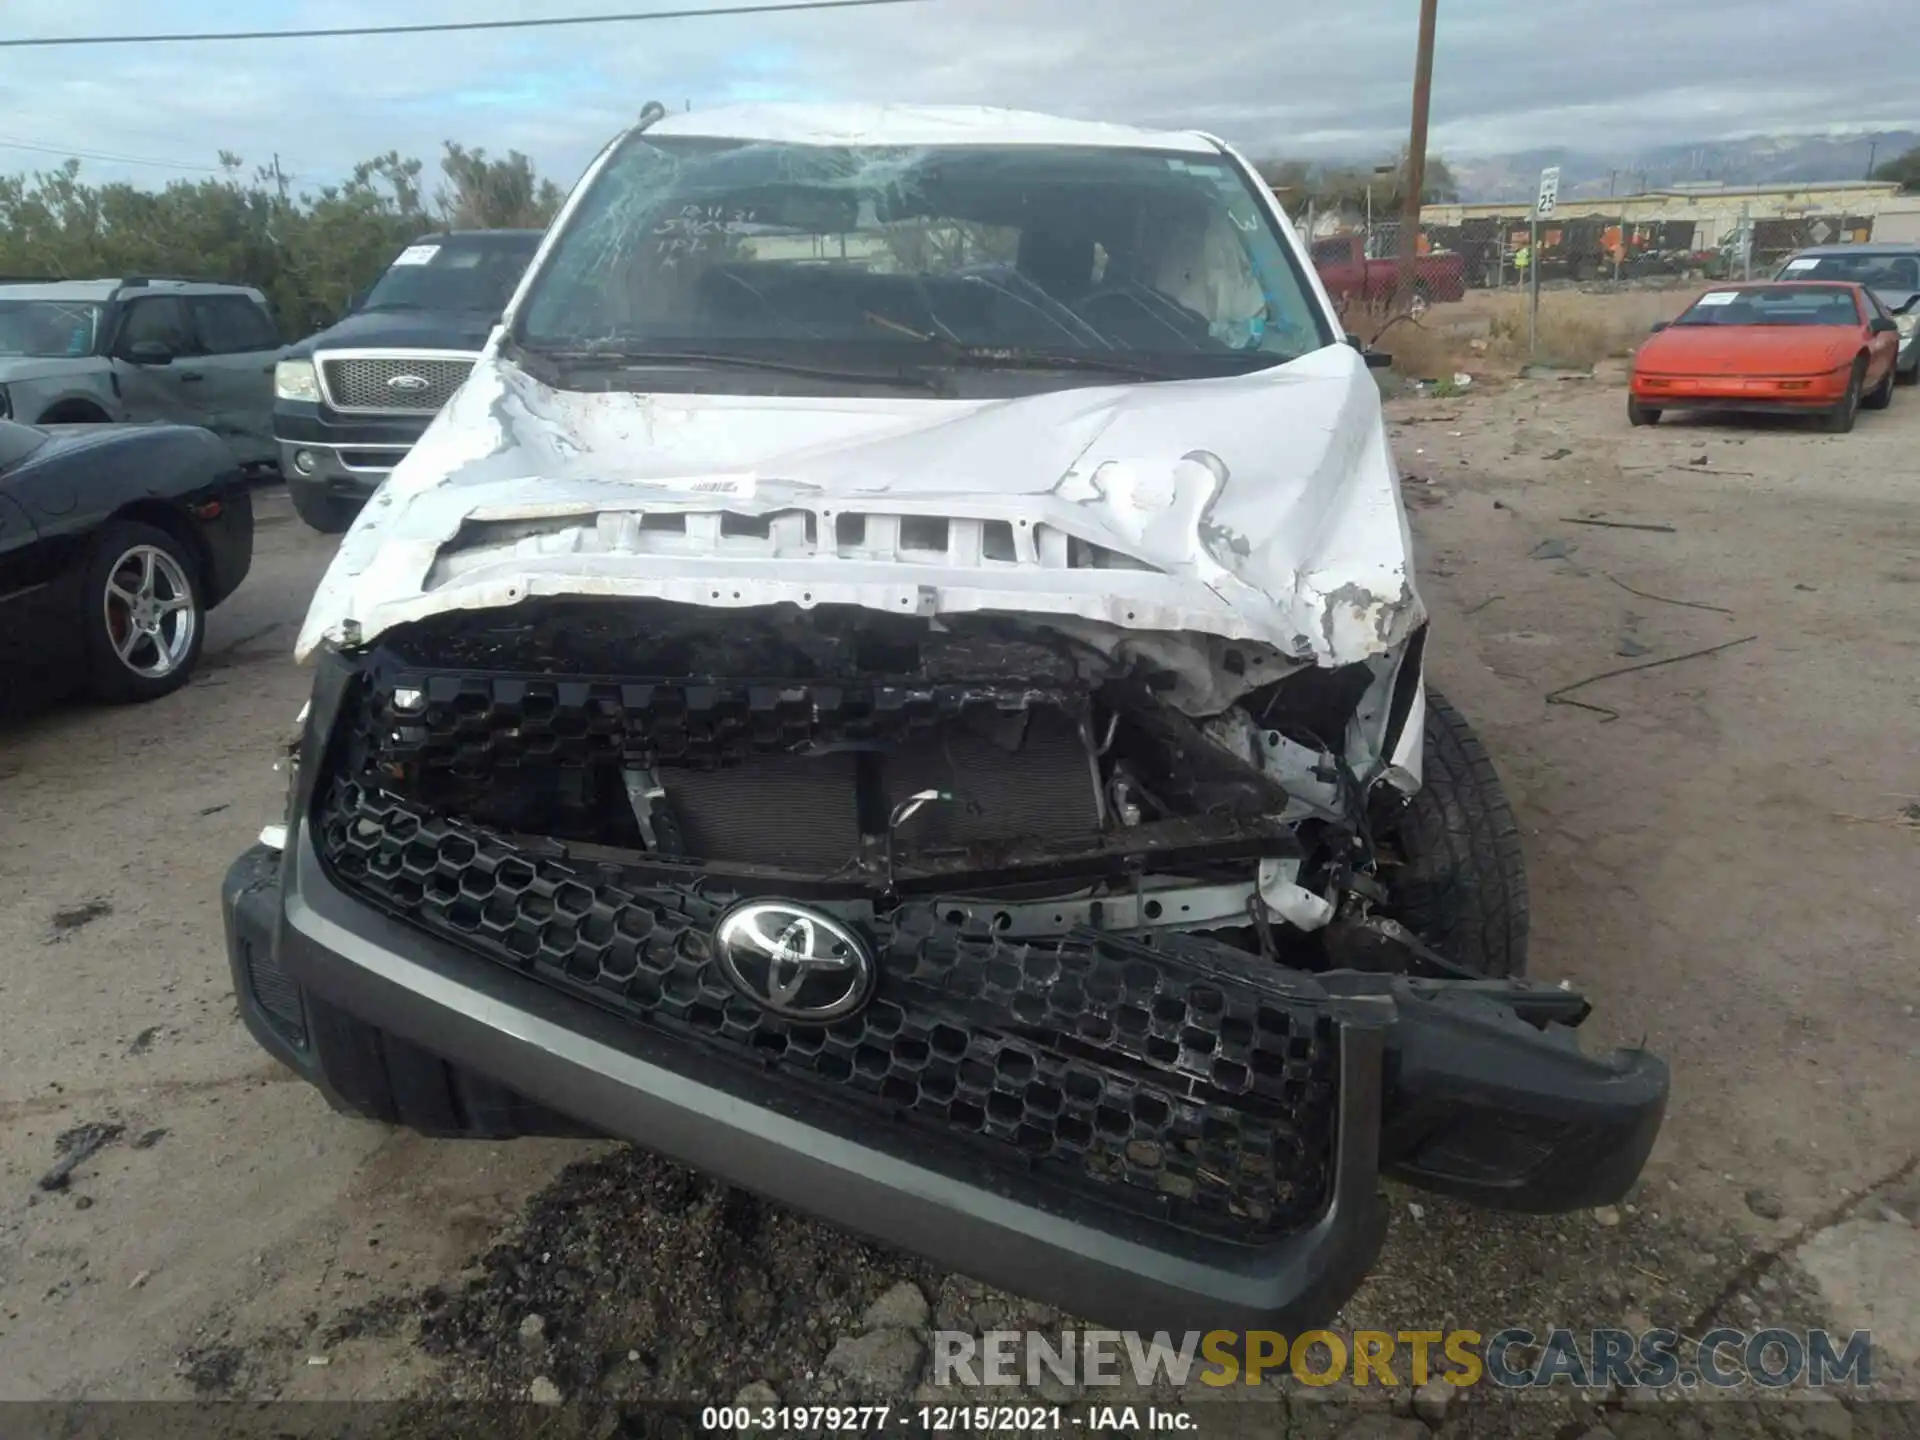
[(1299, 182), (483, 194), (1903, 168), (1438, 186), (309, 252)]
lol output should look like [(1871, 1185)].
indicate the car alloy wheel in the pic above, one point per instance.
[(150, 613)]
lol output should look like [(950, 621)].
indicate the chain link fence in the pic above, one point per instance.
[(1356, 257), (1583, 255)]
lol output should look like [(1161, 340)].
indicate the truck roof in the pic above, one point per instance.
[(105, 290), (1869, 247), (803, 124)]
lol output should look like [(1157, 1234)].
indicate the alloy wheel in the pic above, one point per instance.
[(150, 612)]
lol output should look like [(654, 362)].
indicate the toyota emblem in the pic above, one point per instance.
[(796, 962), (407, 382)]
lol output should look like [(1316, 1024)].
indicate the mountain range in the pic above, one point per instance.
[(1750, 160)]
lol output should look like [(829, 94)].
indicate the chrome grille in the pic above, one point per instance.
[(392, 382)]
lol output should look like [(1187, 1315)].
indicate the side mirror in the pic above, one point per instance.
[(1660, 325), (1376, 360), (150, 352), (358, 298), (1880, 325)]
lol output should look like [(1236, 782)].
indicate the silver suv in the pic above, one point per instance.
[(191, 352)]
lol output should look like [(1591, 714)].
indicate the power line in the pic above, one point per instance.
[(447, 27), (71, 152), (111, 157)]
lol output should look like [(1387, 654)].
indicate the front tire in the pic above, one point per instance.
[(145, 615), (75, 412), (1839, 420), (1881, 396), (327, 513), (1452, 863)]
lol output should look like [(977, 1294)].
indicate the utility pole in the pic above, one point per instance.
[(1415, 181), (1873, 152)]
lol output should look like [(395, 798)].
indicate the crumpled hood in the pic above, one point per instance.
[(1261, 507)]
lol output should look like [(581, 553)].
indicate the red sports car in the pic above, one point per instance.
[(1790, 348)]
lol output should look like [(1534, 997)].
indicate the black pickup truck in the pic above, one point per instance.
[(350, 401)]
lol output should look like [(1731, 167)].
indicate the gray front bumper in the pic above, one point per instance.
[(587, 1065), (1440, 1082), (332, 474)]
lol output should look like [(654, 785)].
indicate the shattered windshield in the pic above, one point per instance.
[(465, 272), (48, 329), (978, 253)]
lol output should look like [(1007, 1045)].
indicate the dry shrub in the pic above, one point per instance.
[(1487, 332), (1567, 337), (1423, 351)]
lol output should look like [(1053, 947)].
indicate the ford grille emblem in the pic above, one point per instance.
[(795, 962), (407, 382)]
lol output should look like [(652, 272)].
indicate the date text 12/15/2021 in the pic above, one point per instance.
[(942, 1419)]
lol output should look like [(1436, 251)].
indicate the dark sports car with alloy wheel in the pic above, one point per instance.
[(115, 542)]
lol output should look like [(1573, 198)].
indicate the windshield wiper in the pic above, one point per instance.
[(392, 305), (1006, 357), (994, 357), (620, 359)]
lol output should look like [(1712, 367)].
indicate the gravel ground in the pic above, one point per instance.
[(1727, 869)]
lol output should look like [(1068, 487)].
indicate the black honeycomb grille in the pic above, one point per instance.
[(472, 724), (1165, 1083)]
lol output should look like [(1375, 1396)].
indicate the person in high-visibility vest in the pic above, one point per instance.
[(1522, 258)]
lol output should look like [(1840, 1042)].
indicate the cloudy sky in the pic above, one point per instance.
[(1303, 79)]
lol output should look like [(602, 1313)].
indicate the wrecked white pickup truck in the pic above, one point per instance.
[(897, 681)]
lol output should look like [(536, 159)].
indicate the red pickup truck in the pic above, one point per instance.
[(1353, 277)]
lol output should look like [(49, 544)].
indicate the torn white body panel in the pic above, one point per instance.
[(854, 124), (1223, 531), (1259, 508)]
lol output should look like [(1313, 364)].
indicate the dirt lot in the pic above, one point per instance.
[(1728, 869)]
